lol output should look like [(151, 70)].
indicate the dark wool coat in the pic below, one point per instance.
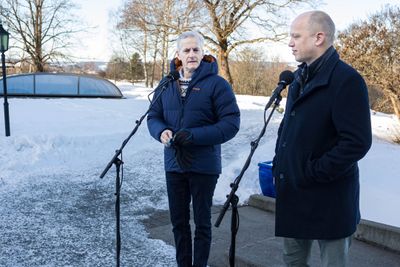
[(209, 112), (325, 131)]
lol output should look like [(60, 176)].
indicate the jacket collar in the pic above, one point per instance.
[(316, 66), (321, 75)]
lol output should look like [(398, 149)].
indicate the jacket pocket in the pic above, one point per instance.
[(304, 171)]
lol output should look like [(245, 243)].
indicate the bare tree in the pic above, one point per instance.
[(373, 48), (231, 22), (40, 28), (134, 32), (151, 26), (253, 74), (225, 24)]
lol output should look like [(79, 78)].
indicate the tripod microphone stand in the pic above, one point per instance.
[(172, 76), (286, 77)]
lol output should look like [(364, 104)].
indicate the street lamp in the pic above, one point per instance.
[(3, 48)]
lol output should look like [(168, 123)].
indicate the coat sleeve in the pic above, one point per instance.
[(155, 119), (351, 118), (228, 118)]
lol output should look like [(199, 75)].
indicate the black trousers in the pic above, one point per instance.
[(182, 189)]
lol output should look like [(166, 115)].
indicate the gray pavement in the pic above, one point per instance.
[(256, 244)]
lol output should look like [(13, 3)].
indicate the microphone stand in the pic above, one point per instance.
[(232, 198), (118, 163)]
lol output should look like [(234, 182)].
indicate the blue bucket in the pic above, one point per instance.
[(266, 179)]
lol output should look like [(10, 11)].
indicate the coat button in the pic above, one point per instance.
[(281, 176), (293, 113), (284, 144)]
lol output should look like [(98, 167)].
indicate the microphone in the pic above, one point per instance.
[(285, 78), (172, 76)]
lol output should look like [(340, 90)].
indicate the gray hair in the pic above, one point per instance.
[(190, 34), (319, 20)]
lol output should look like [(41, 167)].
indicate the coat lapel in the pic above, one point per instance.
[(320, 80)]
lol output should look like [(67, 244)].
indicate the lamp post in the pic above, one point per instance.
[(3, 48)]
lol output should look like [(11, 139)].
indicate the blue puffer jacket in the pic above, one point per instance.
[(209, 112)]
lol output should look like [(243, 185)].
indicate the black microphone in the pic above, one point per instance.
[(285, 78), (172, 76)]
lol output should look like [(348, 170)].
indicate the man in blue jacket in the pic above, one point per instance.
[(192, 118), (326, 130)]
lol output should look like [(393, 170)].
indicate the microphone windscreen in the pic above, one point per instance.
[(286, 76)]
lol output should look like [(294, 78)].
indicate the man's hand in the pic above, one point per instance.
[(166, 137)]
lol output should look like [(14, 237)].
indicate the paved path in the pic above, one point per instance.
[(256, 244)]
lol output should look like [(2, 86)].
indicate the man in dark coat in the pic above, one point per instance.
[(192, 118), (326, 130)]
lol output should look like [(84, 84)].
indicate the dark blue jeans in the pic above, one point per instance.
[(182, 188)]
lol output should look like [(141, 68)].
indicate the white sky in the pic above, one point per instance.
[(99, 44), (97, 14)]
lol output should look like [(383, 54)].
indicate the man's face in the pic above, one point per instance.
[(302, 41), (190, 54)]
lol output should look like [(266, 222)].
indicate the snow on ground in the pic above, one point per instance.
[(56, 211)]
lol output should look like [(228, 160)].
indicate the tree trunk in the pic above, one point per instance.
[(131, 72), (146, 75), (154, 63), (38, 36), (39, 65), (164, 53), (166, 61), (224, 66), (395, 104)]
